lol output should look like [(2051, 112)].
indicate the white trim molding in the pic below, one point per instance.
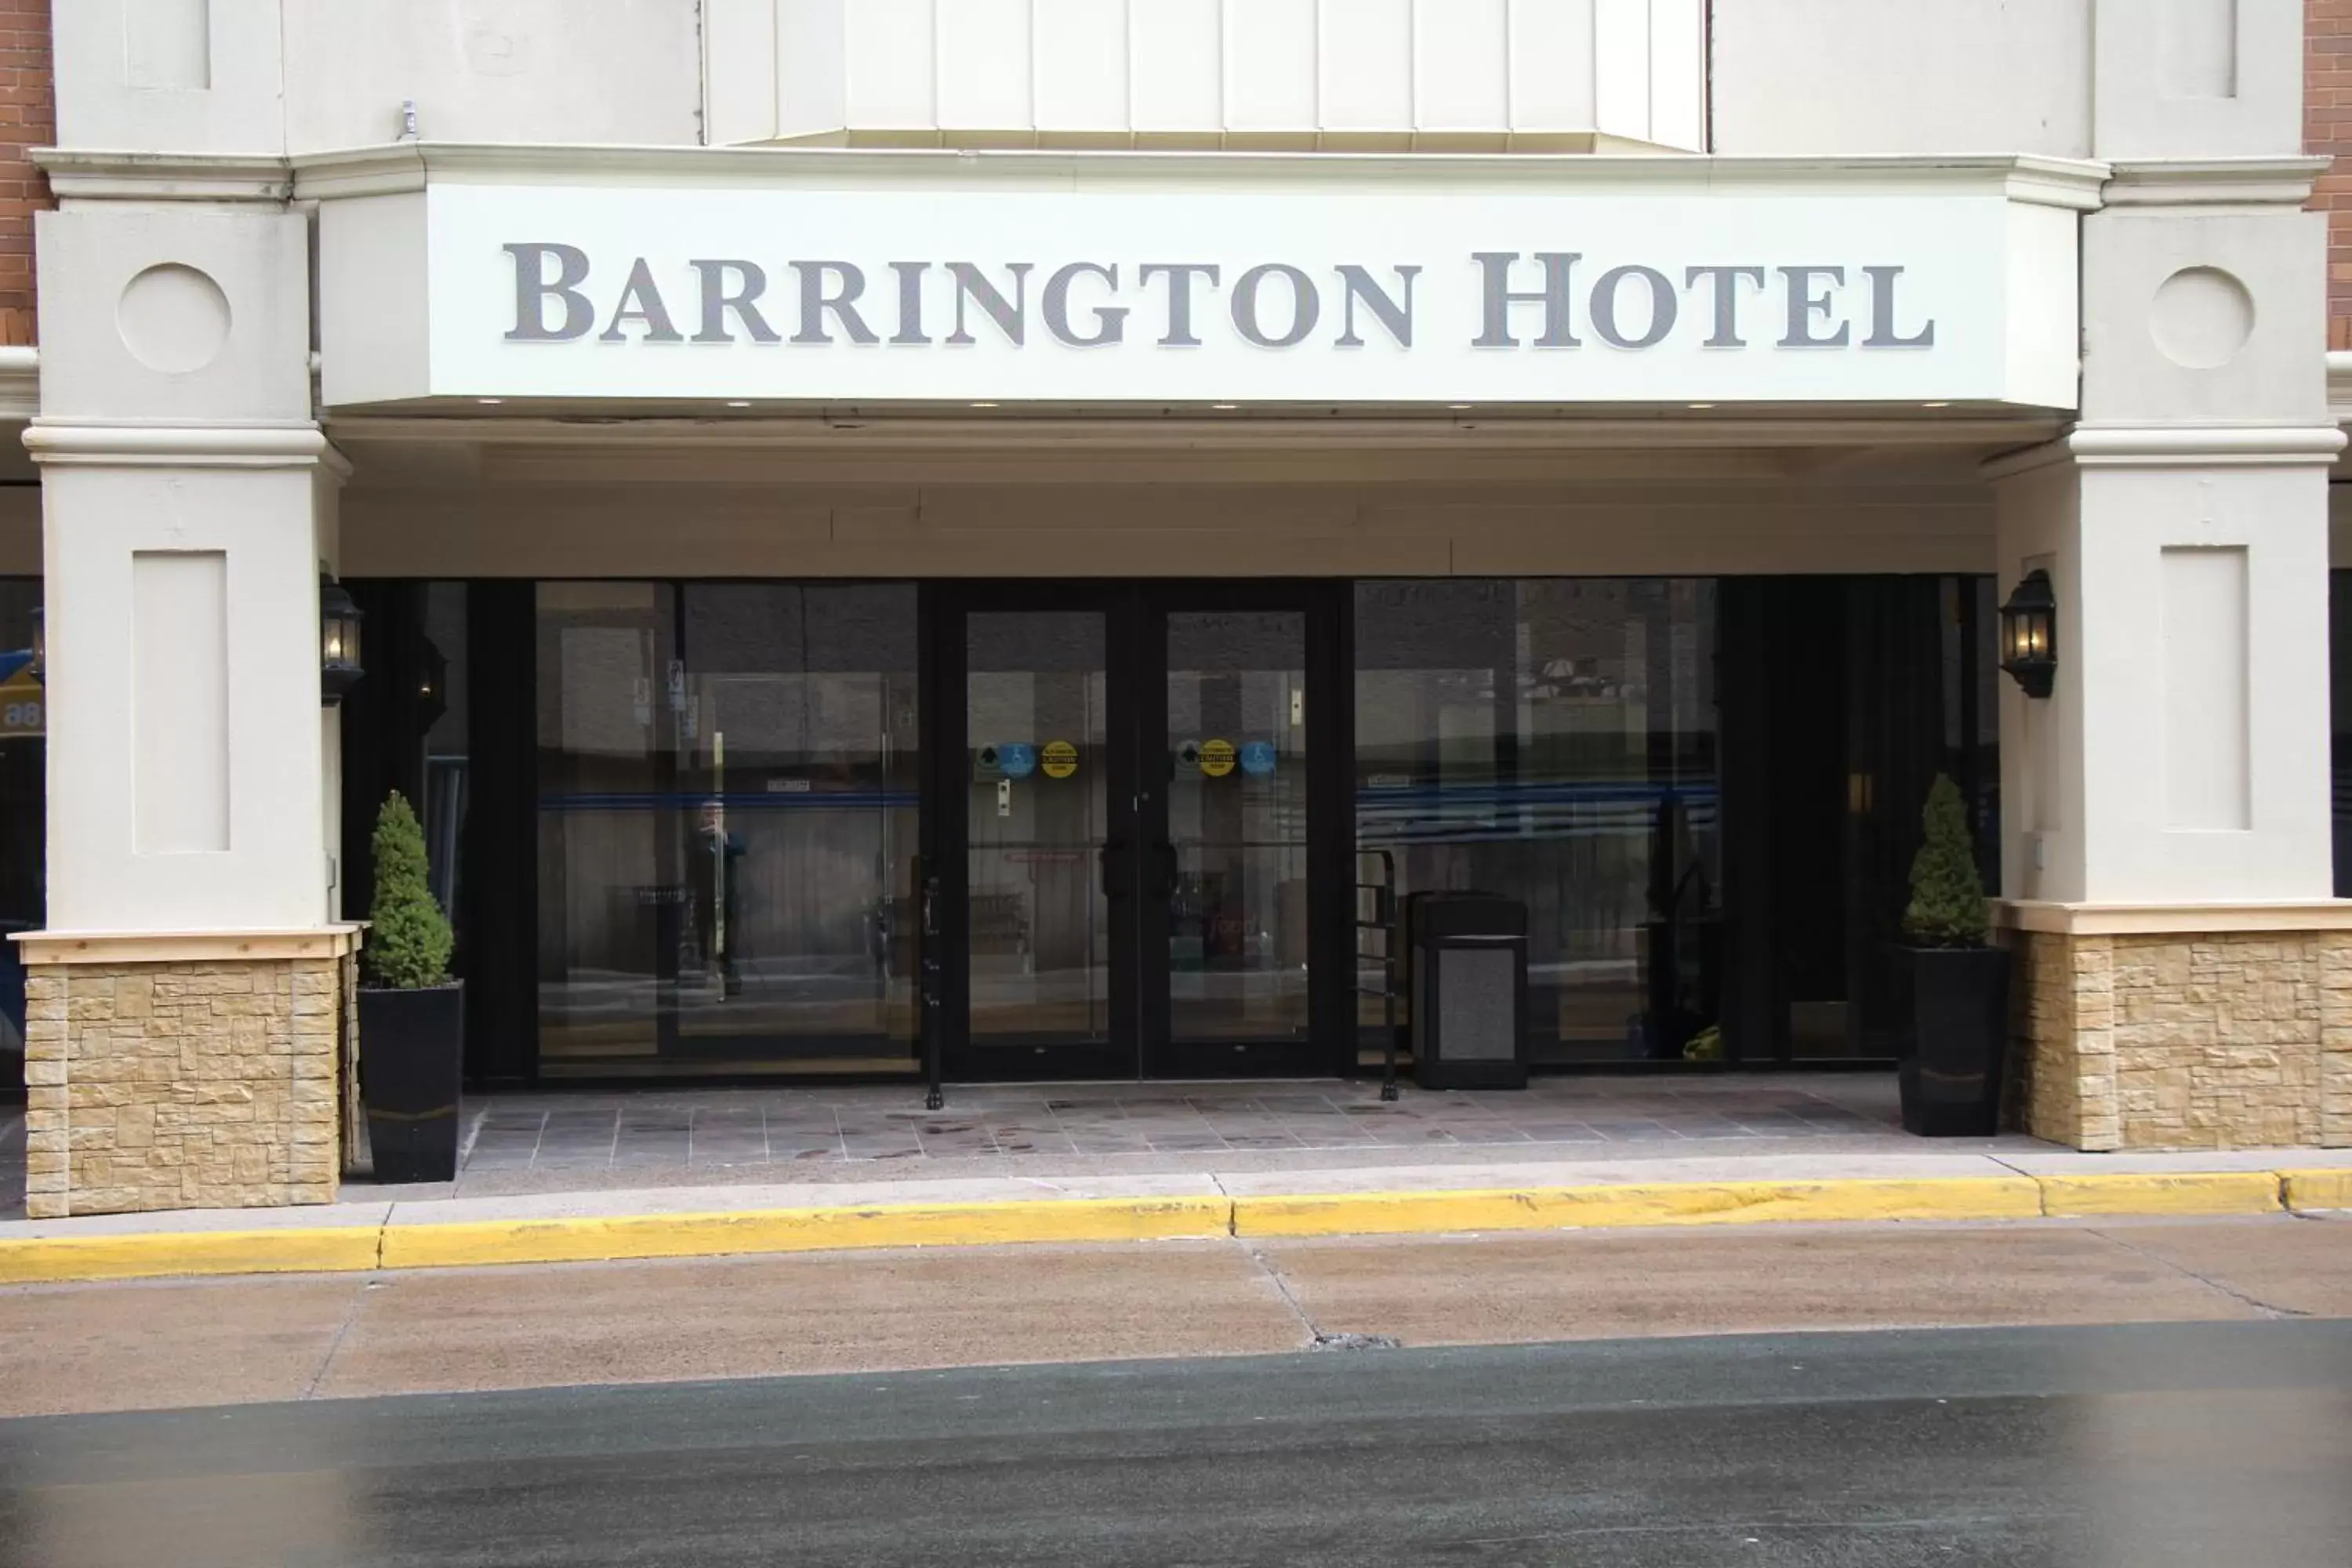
[(92, 175), (2215, 183), (54, 947), (2162, 920), (87, 445), (2072, 183), (2179, 446)]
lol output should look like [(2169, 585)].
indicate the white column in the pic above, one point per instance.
[(2183, 758), (188, 514)]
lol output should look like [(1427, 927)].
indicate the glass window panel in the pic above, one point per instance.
[(1552, 740), (1035, 818), (1236, 753), (729, 791), (23, 712)]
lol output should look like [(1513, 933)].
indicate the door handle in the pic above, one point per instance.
[(1111, 850), (1164, 869)]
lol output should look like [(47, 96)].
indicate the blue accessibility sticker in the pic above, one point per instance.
[(1257, 757), (1017, 758)]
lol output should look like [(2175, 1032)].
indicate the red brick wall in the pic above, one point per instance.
[(28, 117), (2327, 128)]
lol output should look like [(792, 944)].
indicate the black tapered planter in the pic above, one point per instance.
[(412, 1059), (1954, 1045)]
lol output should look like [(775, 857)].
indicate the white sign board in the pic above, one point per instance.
[(1196, 294)]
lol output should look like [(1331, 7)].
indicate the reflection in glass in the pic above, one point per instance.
[(727, 826), (1035, 818), (1236, 756), (1553, 741)]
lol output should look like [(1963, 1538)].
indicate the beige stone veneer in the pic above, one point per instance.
[(2157, 1039), (160, 1082)]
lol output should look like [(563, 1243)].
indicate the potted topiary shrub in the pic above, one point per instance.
[(412, 1042), (1954, 984)]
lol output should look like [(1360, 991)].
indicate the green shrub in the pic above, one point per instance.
[(1947, 898), (408, 938)]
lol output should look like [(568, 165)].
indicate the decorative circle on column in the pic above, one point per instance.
[(172, 319), (2203, 316)]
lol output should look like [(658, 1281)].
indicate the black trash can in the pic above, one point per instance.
[(1468, 986)]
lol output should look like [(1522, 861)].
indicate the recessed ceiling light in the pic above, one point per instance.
[(1224, 405), (1460, 405), (1702, 405), (1935, 405), (490, 400), (735, 403), (983, 405)]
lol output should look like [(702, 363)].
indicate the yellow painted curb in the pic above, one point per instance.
[(430, 1245), (343, 1248), (2161, 1193), (2320, 1189), (49, 1258), (1664, 1203)]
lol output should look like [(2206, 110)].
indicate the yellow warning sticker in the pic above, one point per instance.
[(1059, 759), (1216, 758)]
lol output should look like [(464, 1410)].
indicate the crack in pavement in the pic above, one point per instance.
[(2223, 1286), (1316, 1338), (335, 1346)]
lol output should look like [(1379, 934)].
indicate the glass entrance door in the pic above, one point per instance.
[(1127, 845)]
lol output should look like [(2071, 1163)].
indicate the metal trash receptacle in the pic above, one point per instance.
[(1468, 990)]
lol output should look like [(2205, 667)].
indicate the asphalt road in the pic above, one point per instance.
[(2140, 1445)]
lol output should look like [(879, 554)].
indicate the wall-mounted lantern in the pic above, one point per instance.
[(2029, 635), (432, 687), (339, 641), (40, 647)]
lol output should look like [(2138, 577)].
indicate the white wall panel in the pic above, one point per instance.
[(1798, 77), (1621, 76), (1551, 65), (892, 46), (1461, 69), (1270, 47), (521, 70), (1333, 73), (1176, 60), (1081, 50), (1678, 73), (1365, 65), (985, 75), (812, 68), (738, 71)]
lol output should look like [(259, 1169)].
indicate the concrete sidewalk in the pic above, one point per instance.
[(1815, 1184), (147, 1344)]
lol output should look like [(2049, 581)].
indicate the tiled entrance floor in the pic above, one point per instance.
[(539, 1142), (642, 1138)]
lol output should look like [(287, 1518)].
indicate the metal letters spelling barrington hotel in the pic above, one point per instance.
[(1271, 305)]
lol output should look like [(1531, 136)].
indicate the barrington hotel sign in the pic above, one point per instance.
[(852, 279)]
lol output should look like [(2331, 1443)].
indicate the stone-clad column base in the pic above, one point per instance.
[(166, 1072), (2182, 1027)]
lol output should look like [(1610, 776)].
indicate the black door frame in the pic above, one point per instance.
[(1136, 849)]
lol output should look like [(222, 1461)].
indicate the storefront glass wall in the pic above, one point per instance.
[(700, 817)]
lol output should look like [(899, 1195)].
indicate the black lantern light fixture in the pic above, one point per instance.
[(40, 666), (432, 687), (2029, 635), (339, 641)]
